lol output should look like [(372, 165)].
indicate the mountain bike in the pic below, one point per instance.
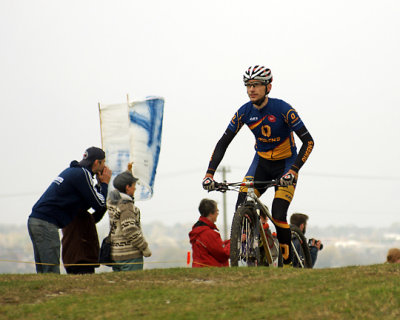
[(251, 244)]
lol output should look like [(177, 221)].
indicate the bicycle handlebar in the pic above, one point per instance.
[(224, 186)]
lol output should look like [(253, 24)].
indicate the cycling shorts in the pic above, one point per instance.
[(263, 170)]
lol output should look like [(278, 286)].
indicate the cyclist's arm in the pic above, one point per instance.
[(219, 152), (305, 150)]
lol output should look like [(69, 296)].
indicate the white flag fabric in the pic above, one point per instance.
[(132, 133)]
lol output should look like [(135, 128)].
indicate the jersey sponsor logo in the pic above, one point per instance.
[(236, 122), (270, 140), (266, 131), (310, 146), (58, 180), (292, 116), (271, 118), (256, 124)]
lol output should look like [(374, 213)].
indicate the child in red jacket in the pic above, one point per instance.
[(208, 248)]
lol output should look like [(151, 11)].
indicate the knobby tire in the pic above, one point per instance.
[(304, 250), (245, 221)]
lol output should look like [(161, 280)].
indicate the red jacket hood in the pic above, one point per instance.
[(203, 224)]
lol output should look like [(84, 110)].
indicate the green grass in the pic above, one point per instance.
[(366, 292)]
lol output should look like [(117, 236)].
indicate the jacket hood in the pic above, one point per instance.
[(203, 224), (74, 163), (115, 196)]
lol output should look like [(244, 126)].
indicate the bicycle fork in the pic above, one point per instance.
[(249, 248)]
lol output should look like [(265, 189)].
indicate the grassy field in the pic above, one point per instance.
[(365, 292)]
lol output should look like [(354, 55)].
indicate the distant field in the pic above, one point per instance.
[(365, 292)]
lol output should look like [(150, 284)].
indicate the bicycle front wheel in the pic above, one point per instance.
[(245, 238), (301, 252)]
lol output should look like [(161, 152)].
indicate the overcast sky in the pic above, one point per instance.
[(336, 62)]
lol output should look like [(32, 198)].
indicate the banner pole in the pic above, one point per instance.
[(101, 131), (130, 164)]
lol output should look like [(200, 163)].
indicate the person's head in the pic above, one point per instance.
[(125, 182), (393, 255), (257, 80), (209, 209), (93, 158), (299, 220)]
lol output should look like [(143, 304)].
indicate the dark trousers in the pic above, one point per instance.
[(79, 269)]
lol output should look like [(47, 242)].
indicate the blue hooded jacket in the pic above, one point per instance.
[(73, 190)]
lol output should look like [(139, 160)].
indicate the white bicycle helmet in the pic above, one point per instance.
[(258, 73)]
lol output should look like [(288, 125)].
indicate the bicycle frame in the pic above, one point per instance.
[(253, 199)]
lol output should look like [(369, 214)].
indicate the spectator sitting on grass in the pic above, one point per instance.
[(208, 248)]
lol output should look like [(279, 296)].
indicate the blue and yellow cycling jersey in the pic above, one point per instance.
[(272, 126)]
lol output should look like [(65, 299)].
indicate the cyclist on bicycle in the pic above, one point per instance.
[(272, 122)]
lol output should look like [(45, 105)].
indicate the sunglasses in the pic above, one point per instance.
[(254, 84)]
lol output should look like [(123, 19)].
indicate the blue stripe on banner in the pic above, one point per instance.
[(157, 106), (153, 126), (144, 122)]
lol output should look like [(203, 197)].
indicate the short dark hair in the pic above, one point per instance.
[(393, 255), (123, 180), (207, 206), (298, 218)]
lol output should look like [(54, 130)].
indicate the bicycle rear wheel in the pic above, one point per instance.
[(301, 252), (245, 237)]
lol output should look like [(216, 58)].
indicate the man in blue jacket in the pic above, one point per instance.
[(73, 190)]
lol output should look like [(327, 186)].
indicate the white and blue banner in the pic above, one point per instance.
[(131, 132)]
